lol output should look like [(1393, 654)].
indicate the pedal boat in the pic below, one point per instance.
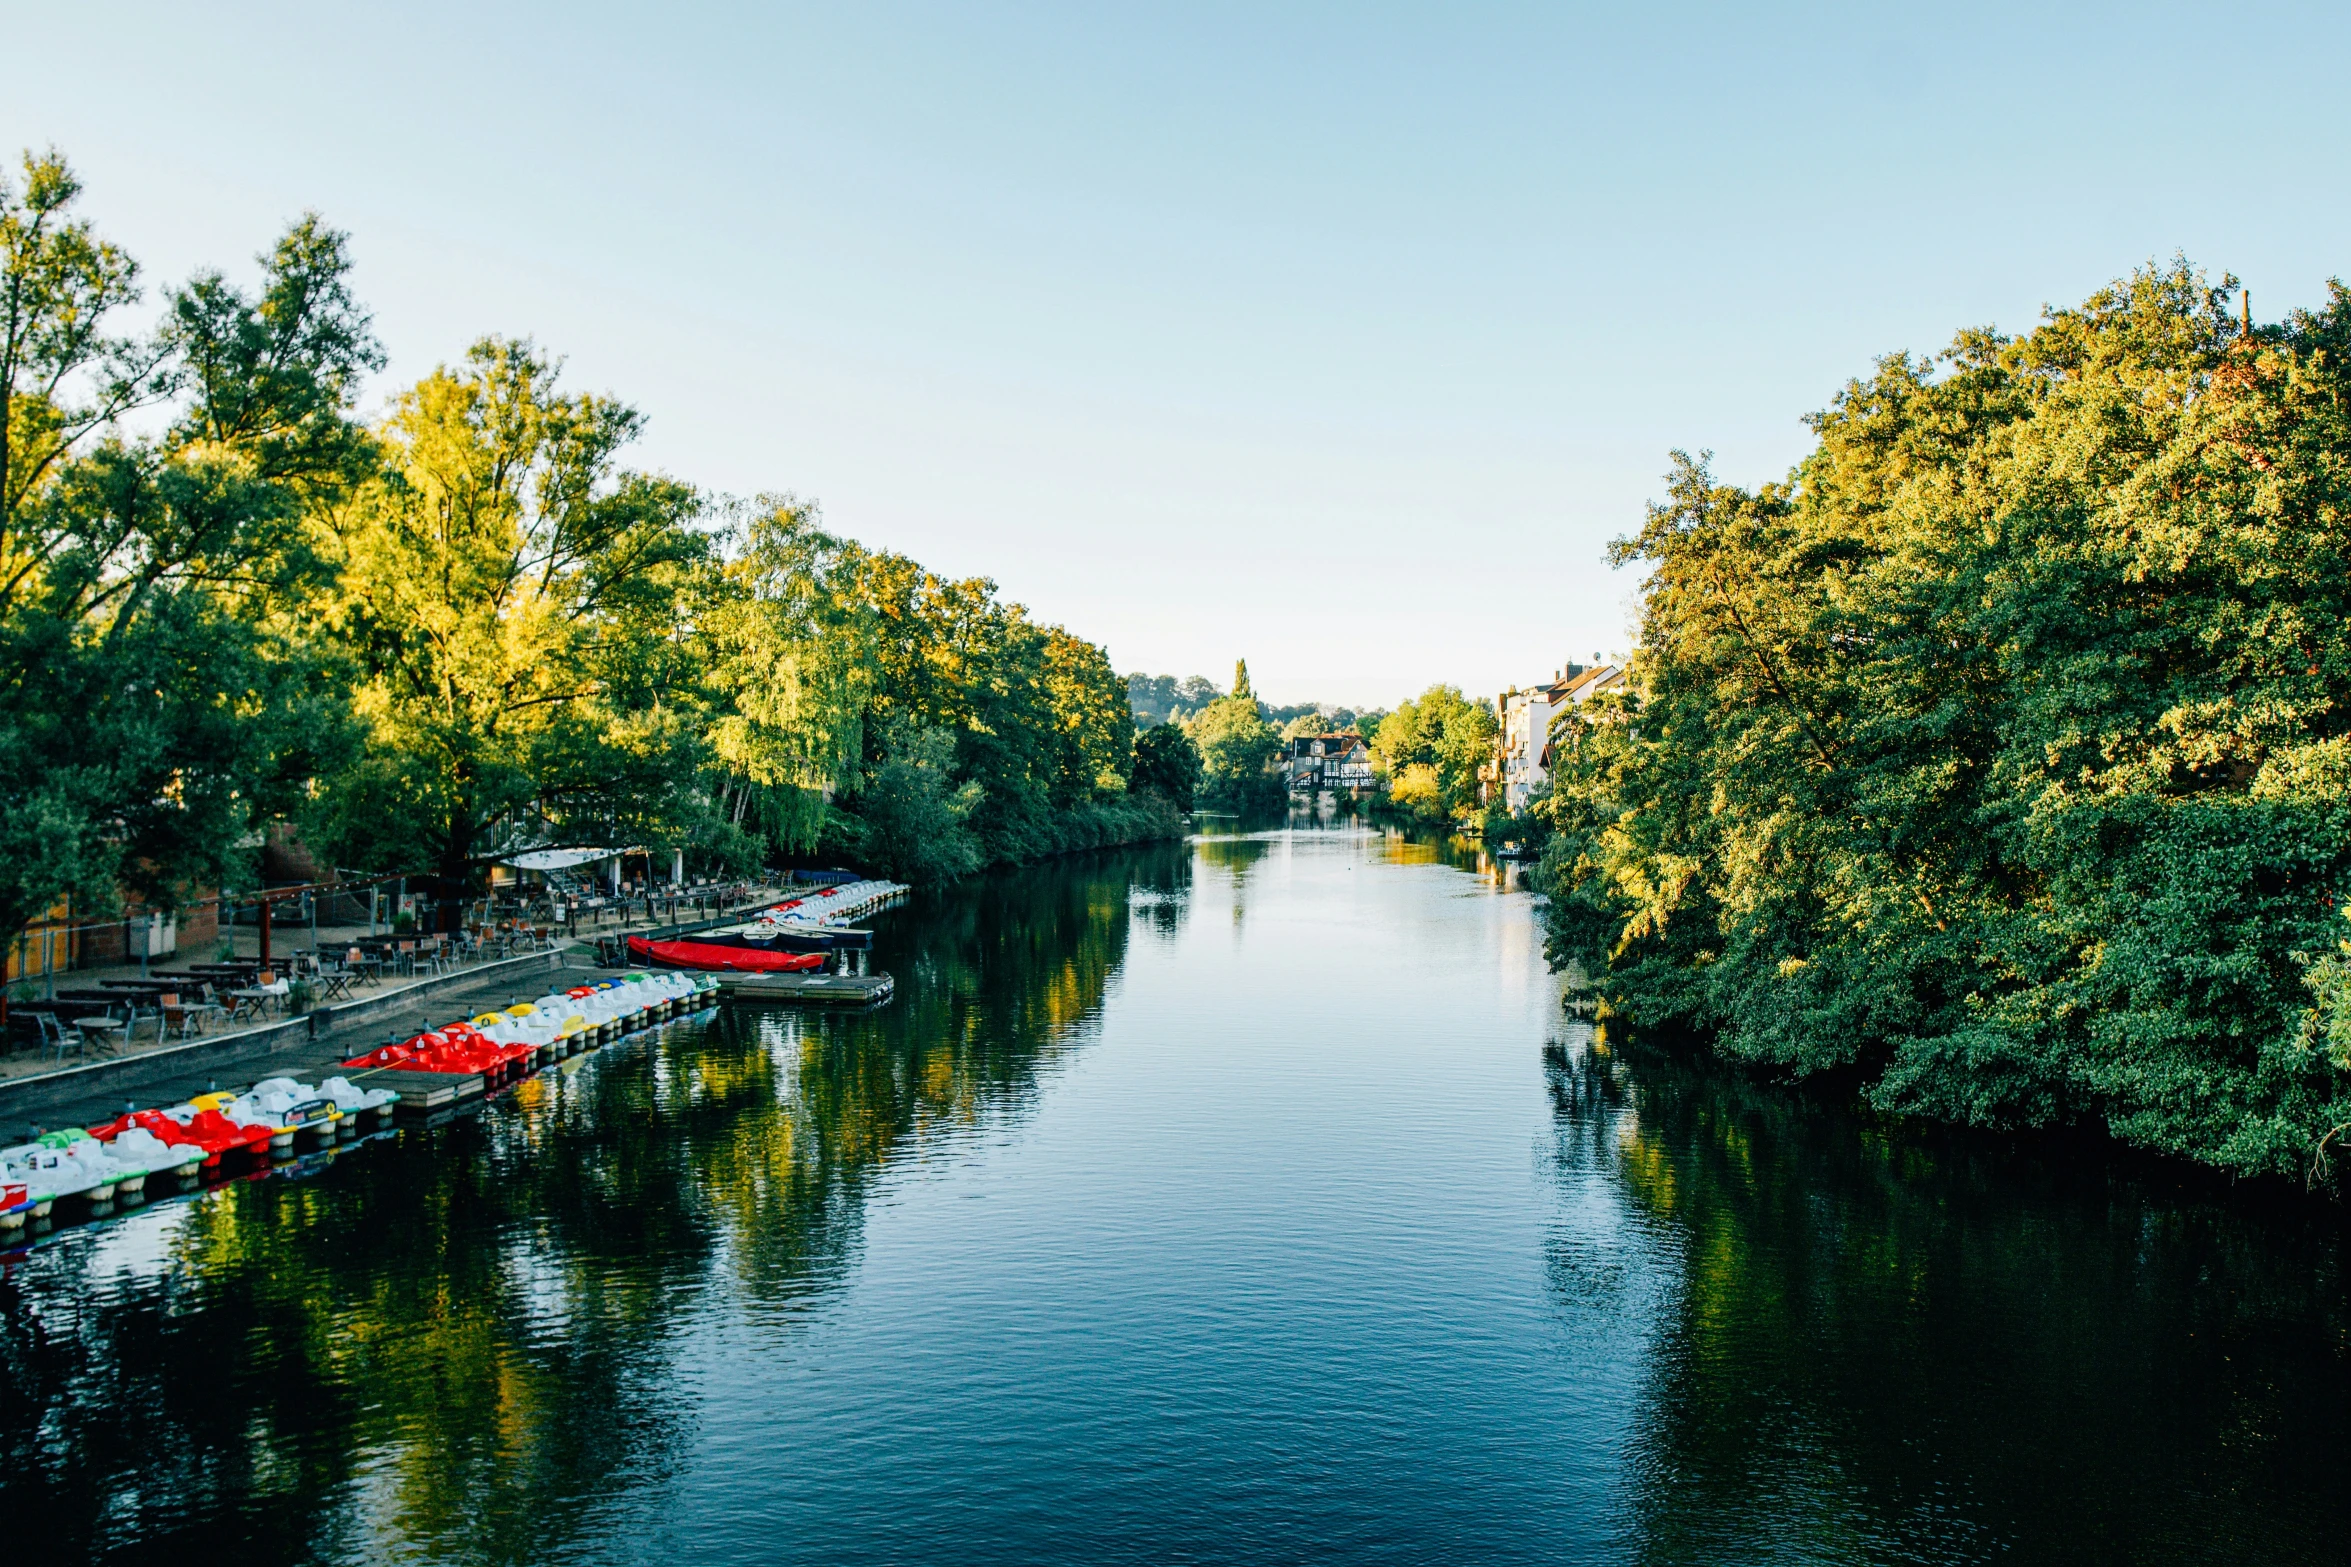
[(199, 1127)]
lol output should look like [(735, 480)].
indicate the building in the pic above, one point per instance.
[(62, 940), (1523, 760), (1316, 762)]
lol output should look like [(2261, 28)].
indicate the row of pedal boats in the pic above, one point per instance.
[(103, 1164)]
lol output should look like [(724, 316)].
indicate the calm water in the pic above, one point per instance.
[(1249, 1201)]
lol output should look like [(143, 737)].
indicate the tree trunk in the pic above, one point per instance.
[(453, 877)]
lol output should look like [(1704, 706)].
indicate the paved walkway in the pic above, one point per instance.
[(301, 1047), (35, 1091)]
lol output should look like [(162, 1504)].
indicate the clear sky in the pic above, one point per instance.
[(1340, 337)]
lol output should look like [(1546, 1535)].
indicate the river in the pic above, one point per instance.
[(1250, 1200)]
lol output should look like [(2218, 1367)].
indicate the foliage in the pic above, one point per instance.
[(1432, 749), (1160, 699), (155, 695), (1529, 828), (911, 813), (505, 595), (1314, 721), (1999, 755), (468, 630), (787, 656), (1236, 748), (2326, 1027), (1167, 764), (1042, 735)]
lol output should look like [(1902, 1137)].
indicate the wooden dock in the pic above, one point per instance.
[(422, 1093), (812, 990)]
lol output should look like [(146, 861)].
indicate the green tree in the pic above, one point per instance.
[(787, 654), (62, 379), (911, 816), (1167, 764), (156, 699), (1998, 756), (509, 599), (1237, 749), (1433, 750), (1040, 720)]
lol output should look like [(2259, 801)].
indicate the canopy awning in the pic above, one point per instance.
[(560, 859)]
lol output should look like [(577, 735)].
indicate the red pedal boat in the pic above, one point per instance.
[(191, 1127), (457, 1048)]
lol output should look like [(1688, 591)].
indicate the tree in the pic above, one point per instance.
[(788, 654), (510, 599), (157, 701), (1041, 728), (1093, 733), (1307, 725), (912, 814), (1167, 764), (61, 378), (1236, 747), (1448, 739), (1997, 756)]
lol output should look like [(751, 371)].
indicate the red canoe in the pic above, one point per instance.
[(742, 960)]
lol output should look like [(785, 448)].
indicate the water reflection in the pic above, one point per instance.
[(455, 1343), (1878, 1345)]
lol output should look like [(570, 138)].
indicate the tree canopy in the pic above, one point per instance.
[(466, 629), (1433, 750), (159, 693), (1999, 755), (504, 596)]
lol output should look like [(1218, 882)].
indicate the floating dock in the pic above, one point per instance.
[(820, 990), (843, 901), (422, 1093)]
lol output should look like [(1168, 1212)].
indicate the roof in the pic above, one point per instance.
[(1590, 683), (560, 859)]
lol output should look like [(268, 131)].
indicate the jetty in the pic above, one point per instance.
[(814, 924), (822, 990)]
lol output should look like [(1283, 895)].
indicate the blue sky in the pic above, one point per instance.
[(1338, 337)]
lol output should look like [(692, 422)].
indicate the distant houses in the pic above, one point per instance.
[(1524, 749), (1312, 763)]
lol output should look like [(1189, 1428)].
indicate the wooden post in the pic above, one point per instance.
[(265, 932)]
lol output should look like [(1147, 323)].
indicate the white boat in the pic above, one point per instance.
[(288, 1107), (70, 1163)]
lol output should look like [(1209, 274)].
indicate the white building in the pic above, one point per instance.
[(1526, 716)]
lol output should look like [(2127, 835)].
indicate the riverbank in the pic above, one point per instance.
[(314, 1044), (922, 840)]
